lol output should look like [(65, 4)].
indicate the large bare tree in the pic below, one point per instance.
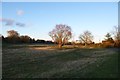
[(86, 37), (61, 34)]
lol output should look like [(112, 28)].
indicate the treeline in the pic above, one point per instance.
[(23, 39), (106, 43), (85, 40), (15, 38), (62, 33)]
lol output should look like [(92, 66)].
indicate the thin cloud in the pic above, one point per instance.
[(20, 24), (8, 22), (11, 22), (20, 12)]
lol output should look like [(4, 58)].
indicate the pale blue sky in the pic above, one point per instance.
[(60, 0), (40, 18)]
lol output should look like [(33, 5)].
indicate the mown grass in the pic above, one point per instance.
[(64, 63), (106, 69), (100, 69)]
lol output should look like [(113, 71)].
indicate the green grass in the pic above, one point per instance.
[(100, 69), (106, 69), (70, 63)]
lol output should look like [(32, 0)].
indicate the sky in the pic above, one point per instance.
[(60, 0), (37, 19)]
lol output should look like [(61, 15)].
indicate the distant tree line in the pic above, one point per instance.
[(61, 35), (15, 38)]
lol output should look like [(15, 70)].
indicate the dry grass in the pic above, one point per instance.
[(47, 62)]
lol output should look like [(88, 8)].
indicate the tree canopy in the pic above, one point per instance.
[(61, 34), (86, 37)]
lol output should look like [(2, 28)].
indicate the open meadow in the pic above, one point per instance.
[(59, 39), (43, 61)]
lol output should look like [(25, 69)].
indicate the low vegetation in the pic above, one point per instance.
[(38, 61)]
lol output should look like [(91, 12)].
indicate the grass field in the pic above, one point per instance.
[(31, 61)]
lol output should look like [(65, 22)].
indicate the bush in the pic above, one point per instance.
[(107, 45), (117, 44)]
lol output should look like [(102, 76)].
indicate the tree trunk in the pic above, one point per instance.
[(85, 44), (60, 45)]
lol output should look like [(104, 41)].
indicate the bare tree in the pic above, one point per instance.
[(86, 37), (12, 33), (116, 33), (61, 34), (13, 36)]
